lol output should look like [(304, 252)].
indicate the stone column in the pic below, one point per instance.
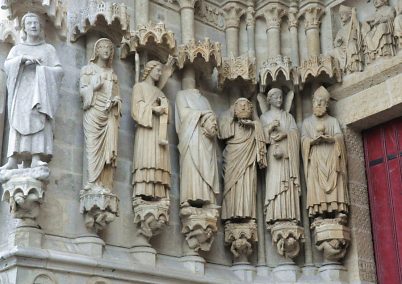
[(312, 21), (142, 12), (187, 34), (293, 30), (250, 27), (273, 15), (232, 19)]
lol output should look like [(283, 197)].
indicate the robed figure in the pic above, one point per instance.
[(324, 158), (99, 89), (282, 173), (196, 127), (245, 148), (34, 76), (378, 32), (151, 171), (348, 41)]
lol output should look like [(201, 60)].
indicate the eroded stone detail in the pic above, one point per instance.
[(317, 65), (24, 190), (312, 16), (199, 226), (209, 51), (240, 237), (87, 19), (273, 15), (155, 33), (9, 31), (232, 68), (287, 237), (209, 14)]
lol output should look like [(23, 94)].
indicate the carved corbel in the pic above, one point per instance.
[(54, 9), (24, 190), (287, 238), (199, 227), (150, 36), (89, 19), (240, 237)]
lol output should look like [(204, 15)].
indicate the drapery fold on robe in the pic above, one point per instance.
[(282, 174), (244, 145), (32, 98), (101, 123), (198, 161), (324, 167), (151, 162)]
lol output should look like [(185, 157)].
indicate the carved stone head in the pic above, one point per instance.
[(320, 101), (103, 49), (275, 97), (243, 108), (152, 69), (31, 25)]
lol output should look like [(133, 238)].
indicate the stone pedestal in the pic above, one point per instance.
[(99, 206), (245, 272), (240, 237), (332, 237), (24, 190), (26, 237), (195, 264), (145, 255), (333, 273), (287, 237), (287, 273), (91, 245), (199, 227)]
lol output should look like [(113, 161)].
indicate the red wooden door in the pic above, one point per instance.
[(383, 153)]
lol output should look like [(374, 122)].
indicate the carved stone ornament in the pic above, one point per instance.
[(144, 35), (24, 190), (332, 237), (312, 16), (287, 237), (273, 15), (151, 217), (9, 32), (273, 67), (199, 226), (99, 206), (207, 50), (115, 15), (243, 67), (240, 237), (317, 65), (210, 14), (233, 12), (54, 9)]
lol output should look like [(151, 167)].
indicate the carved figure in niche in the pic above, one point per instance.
[(34, 75), (99, 89), (324, 158), (378, 32), (348, 41), (196, 127), (245, 147), (398, 25), (151, 176), (282, 173)]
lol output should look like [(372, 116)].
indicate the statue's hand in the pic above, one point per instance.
[(279, 136), (96, 83), (327, 139), (159, 110), (246, 122), (28, 60)]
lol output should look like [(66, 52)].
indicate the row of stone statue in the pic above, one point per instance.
[(271, 141), (356, 44)]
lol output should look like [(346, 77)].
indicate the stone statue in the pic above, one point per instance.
[(378, 32), (245, 147), (99, 89), (282, 173), (324, 158), (196, 127), (32, 65), (398, 25), (149, 109), (348, 42)]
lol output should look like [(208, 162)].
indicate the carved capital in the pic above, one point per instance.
[(232, 15), (186, 3), (199, 226), (99, 206), (287, 237), (273, 15), (312, 16), (240, 237), (293, 17), (250, 16)]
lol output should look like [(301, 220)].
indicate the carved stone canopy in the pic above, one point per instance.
[(277, 68), (150, 36), (317, 65), (209, 52), (9, 31), (109, 18), (242, 67)]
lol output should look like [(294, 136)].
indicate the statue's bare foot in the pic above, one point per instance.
[(163, 142), (11, 164)]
